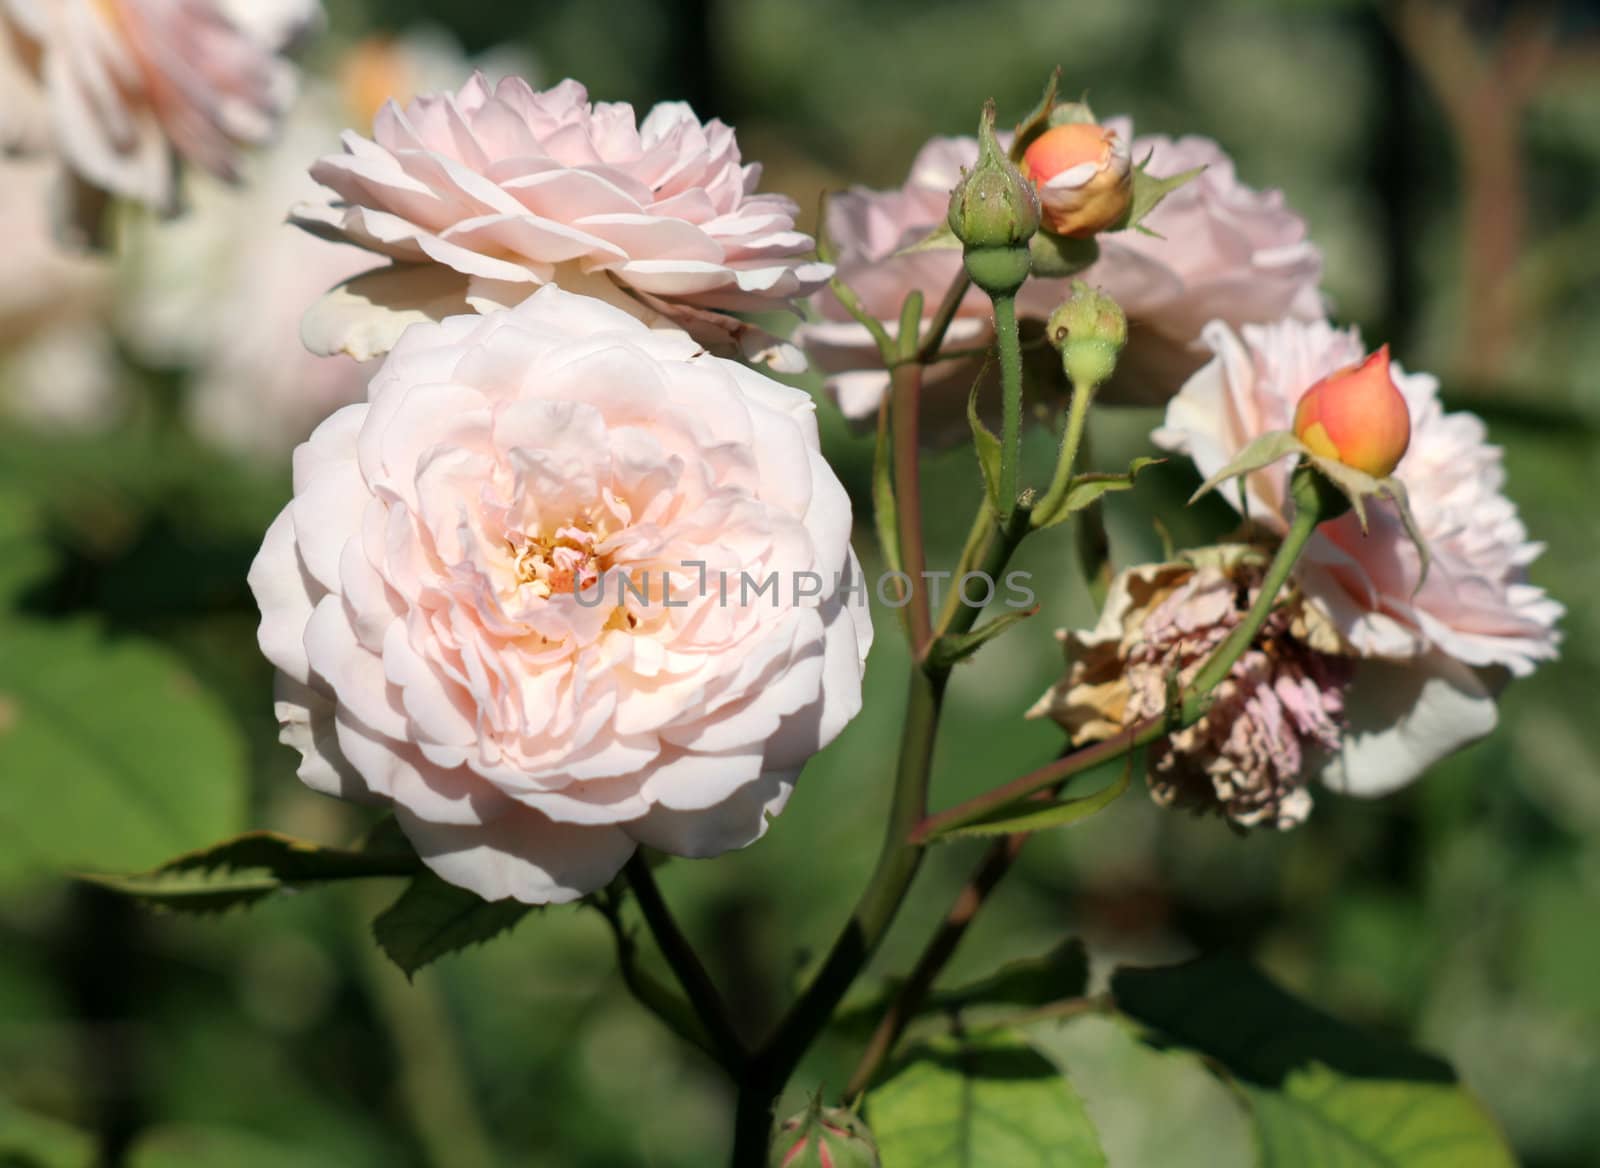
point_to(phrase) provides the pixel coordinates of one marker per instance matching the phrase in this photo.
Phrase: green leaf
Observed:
(1152, 1108)
(26, 556)
(1086, 488)
(1224, 1007)
(433, 918)
(250, 867)
(1148, 191)
(984, 1103)
(1322, 1119)
(988, 448)
(941, 238)
(1063, 972)
(1322, 1092)
(113, 756)
(1261, 451)
(885, 514)
(1062, 813)
(951, 649)
(28, 1140)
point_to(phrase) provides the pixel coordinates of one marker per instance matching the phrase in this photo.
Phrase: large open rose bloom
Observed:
(1433, 650)
(125, 84)
(443, 600)
(483, 195)
(1224, 252)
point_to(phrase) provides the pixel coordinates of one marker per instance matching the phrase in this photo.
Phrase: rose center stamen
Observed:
(564, 560)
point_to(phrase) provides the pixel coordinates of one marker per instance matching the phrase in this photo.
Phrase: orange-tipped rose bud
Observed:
(1084, 175)
(1356, 416)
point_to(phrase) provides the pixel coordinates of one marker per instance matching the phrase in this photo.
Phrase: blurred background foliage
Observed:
(1446, 158)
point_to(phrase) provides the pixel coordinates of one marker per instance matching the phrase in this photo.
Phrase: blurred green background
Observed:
(1446, 159)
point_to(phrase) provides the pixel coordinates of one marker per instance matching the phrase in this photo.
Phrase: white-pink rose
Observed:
(1432, 647)
(452, 597)
(483, 195)
(125, 84)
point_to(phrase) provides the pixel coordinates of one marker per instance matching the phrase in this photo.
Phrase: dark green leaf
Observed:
(988, 448)
(113, 756)
(433, 918)
(243, 870)
(1029, 981)
(1229, 1010)
(1322, 1093)
(984, 1103)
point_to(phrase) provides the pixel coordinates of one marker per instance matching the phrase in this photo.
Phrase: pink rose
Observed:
(127, 83)
(453, 597)
(483, 195)
(1227, 252)
(1433, 640)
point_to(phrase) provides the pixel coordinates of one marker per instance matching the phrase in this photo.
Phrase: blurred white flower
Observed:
(127, 85)
(222, 290)
(56, 360)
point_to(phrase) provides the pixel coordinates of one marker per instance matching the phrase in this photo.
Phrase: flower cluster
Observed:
(1219, 250)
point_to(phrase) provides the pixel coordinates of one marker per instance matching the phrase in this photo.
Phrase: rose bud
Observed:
(994, 212)
(1084, 173)
(1357, 416)
(1090, 329)
(824, 1137)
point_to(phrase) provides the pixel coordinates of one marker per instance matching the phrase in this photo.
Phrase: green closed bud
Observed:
(824, 1137)
(1089, 329)
(994, 212)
